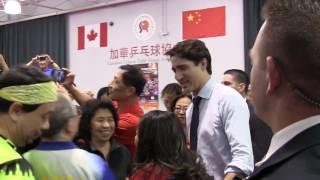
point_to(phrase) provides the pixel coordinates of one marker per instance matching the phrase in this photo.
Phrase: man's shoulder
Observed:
(7, 152)
(16, 169)
(128, 117)
(224, 95)
(298, 159)
(134, 110)
(225, 90)
(134, 114)
(221, 92)
(302, 165)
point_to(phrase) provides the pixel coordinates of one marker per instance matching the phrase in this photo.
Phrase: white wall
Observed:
(91, 65)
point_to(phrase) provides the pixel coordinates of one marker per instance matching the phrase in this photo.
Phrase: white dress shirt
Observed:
(224, 141)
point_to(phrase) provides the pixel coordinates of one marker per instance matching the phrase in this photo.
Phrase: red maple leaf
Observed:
(92, 35)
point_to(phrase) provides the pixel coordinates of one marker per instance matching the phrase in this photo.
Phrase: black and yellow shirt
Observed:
(12, 164)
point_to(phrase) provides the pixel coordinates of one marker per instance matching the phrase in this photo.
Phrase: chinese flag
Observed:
(93, 35)
(204, 23)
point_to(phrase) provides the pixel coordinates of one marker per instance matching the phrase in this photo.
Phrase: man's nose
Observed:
(178, 76)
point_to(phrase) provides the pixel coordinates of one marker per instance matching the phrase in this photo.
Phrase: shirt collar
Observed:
(56, 145)
(134, 108)
(206, 91)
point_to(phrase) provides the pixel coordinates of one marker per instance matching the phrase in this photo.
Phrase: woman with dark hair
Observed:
(162, 152)
(97, 125)
(179, 106)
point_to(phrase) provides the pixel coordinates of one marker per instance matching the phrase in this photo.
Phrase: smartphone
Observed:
(58, 75)
(41, 57)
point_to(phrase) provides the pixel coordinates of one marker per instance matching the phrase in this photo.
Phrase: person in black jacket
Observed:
(98, 122)
(285, 89)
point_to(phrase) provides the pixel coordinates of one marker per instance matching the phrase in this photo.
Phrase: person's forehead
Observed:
(44, 108)
(179, 61)
(102, 112)
(184, 100)
(228, 77)
(119, 74)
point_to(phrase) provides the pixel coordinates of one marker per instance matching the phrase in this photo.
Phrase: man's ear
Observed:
(131, 90)
(241, 87)
(72, 126)
(273, 75)
(15, 111)
(204, 64)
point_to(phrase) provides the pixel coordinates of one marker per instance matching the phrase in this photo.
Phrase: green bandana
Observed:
(31, 94)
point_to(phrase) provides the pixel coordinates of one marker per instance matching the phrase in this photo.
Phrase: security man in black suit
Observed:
(285, 89)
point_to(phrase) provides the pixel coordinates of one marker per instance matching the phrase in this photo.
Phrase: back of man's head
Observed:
(133, 76)
(292, 38)
(169, 93)
(171, 88)
(63, 112)
(192, 49)
(240, 77)
(103, 91)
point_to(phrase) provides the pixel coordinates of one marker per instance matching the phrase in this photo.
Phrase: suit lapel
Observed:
(302, 141)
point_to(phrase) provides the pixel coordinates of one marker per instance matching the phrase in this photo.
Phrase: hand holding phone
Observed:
(58, 75)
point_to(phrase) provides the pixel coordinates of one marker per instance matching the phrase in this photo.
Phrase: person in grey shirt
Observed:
(218, 126)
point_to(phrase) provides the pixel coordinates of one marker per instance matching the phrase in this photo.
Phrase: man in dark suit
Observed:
(260, 132)
(285, 88)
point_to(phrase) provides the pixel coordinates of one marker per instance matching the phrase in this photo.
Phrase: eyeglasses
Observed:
(179, 108)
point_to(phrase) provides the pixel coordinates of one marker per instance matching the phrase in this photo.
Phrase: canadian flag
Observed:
(94, 35)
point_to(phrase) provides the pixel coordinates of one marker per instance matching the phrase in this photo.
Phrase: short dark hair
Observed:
(174, 102)
(133, 77)
(161, 140)
(88, 111)
(63, 111)
(293, 39)
(171, 88)
(193, 50)
(240, 76)
(22, 75)
(102, 91)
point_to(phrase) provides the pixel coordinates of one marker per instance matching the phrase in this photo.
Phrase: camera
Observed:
(41, 57)
(58, 75)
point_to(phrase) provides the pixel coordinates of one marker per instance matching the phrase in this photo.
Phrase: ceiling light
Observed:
(12, 7)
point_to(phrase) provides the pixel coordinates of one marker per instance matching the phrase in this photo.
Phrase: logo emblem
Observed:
(144, 27)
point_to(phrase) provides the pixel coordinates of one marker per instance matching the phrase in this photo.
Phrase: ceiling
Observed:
(32, 9)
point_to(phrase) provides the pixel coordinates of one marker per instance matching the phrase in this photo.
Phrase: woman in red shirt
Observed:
(162, 153)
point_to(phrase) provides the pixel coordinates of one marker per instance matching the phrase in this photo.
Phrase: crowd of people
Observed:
(263, 127)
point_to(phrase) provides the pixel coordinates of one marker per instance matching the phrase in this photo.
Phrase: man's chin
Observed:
(32, 140)
(186, 89)
(29, 141)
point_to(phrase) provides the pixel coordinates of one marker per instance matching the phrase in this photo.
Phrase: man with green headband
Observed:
(26, 99)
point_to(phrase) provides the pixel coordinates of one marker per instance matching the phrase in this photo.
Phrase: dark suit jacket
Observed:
(261, 135)
(299, 159)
